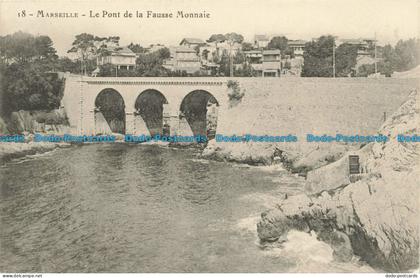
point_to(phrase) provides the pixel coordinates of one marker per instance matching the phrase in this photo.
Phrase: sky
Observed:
(391, 20)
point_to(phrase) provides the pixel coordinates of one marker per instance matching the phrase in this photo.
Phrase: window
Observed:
(354, 165)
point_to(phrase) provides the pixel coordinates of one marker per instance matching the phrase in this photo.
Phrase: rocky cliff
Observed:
(374, 214)
(54, 121)
(27, 123)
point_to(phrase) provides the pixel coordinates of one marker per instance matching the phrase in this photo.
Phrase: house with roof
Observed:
(120, 57)
(297, 46)
(364, 60)
(192, 42)
(261, 41)
(271, 63)
(264, 63)
(364, 45)
(211, 50)
(253, 56)
(183, 59)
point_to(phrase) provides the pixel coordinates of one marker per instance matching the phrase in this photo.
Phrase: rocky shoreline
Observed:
(373, 215)
(11, 150)
(265, 154)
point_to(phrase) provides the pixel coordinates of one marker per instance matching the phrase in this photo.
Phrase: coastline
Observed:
(11, 150)
(355, 216)
(371, 215)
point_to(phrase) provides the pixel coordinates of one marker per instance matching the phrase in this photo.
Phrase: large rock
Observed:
(374, 216)
(54, 121)
(3, 127)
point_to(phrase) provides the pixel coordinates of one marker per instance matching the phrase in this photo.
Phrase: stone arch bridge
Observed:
(144, 105)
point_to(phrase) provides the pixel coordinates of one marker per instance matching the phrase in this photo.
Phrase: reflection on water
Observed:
(131, 208)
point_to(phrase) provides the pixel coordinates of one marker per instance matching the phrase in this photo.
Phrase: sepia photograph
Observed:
(209, 136)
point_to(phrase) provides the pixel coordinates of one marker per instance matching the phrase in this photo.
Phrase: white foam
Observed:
(303, 247)
(248, 224)
(312, 255)
(272, 168)
(267, 200)
(200, 160)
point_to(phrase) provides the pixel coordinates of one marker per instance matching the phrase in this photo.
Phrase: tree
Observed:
(151, 64)
(235, 93)
(246, 46)
(164, 53)
(29, 88)
(217, 38)
(44, 48)
(232, 39)
(224, 63)
(244, 71)
(27, 81)
(17, 47)
(318, 57)
(279, 42)
(404, 56)
(205, 54)
(346, 59)
(83, 45)
(136, 48)
(106, 70)
(22, 47)
(88, 47)
(407, 54)
(67, 65)
(384, 68)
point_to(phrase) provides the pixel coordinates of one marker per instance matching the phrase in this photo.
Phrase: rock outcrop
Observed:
(53, 121)
(27, 123)
(374, 214)
(9, 150)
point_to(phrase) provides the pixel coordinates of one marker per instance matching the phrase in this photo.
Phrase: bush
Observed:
(235, 93)
(50, 118)
(41, 117)
(27, 87)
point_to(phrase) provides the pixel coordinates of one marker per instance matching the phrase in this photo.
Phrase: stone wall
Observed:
(282, 106)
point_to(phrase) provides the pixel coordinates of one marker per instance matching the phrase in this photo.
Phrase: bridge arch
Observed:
(149, 113)
(109, 112)
(199, 109)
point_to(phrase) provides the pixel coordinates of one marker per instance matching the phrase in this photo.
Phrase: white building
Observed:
(183, 59)
(264, 63)
(261, 41)
(121, 57)
(298, 46)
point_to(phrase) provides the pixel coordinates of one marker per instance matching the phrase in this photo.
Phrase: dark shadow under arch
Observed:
(150, 105)
(111, 104)
(199, 108)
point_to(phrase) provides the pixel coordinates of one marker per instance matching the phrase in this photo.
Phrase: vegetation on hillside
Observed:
(318, 57)
(26, 65)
